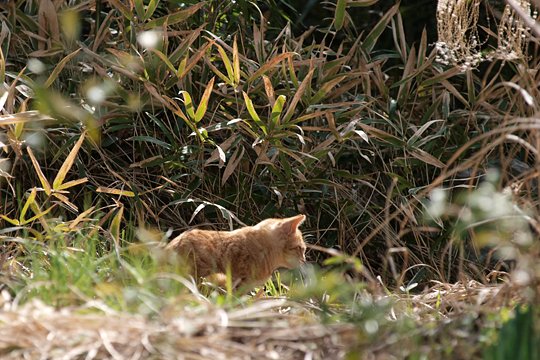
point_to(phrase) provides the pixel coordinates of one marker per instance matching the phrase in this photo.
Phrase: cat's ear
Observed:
(290, 225)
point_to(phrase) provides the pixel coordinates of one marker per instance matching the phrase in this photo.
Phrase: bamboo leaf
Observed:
(116, 222)
(152, 5)
(81, 217)
(150, 139)
(416, 136)
(112, 191)
(122, 8)
(165, 59)
(44, 183)
(253, 113)
(30, 200)
(269, 65)
(11, 221)
(188, 103)
(339, 16)
(371, 39)
(194, 60)
(222, 156)
(298, 95)
(269, 89)
(233, 164)
(203, 105)
(68, 163)
(224, 146)
(72, 183)
(181, 68)
(58, 68)
(197, 210)
(427, 158)
(326, 88)
(174, 18)
(277, 109)
(139, 8)
(227, 63)
(236, 63)
(440, 77)
(65, 201)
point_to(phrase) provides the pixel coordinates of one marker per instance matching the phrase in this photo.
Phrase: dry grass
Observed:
(268, 328)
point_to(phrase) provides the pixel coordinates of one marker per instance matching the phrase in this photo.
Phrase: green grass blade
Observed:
(203, 105)
(277, 109)
(68, 163)
(371, 39)
(174, 18)
(152, 5)
(253, 113)
(188, 102)
(339, 16)
(58, 68)
(30, 200)
(227, 63)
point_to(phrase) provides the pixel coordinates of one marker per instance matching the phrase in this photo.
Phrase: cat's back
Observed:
(193, 237)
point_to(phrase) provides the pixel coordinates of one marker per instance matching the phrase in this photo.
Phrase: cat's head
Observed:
(285, 233)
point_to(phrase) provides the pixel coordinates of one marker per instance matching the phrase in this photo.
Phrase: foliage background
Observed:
(130, 121)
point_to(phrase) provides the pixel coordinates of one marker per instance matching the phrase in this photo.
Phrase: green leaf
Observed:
(11, 221)
(253, 113)
(182, 67)
(68, 163)
(174, 18)
(203, 105)
(166, 60)
(227, 63)
(139, 8)
(115, 226)
(325, 89)
(339, 16)
(371, 39)
(145, 138)
(30, 200)
(59, 67)
(37, 216)
(152, 5)
(277, 109)
(189, 105)
(236, 63)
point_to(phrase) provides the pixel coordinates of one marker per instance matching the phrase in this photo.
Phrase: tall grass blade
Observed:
(203, 105)
(253, 113)
(188, 103)
(44, 182)
(58, 68)
(339, 16)
(174, 18)
(371, 39)
(236, 63)
(277, 109)
(68, 163)
(228, 66)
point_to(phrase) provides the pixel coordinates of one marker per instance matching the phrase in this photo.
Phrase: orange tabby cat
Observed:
(252, 253)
